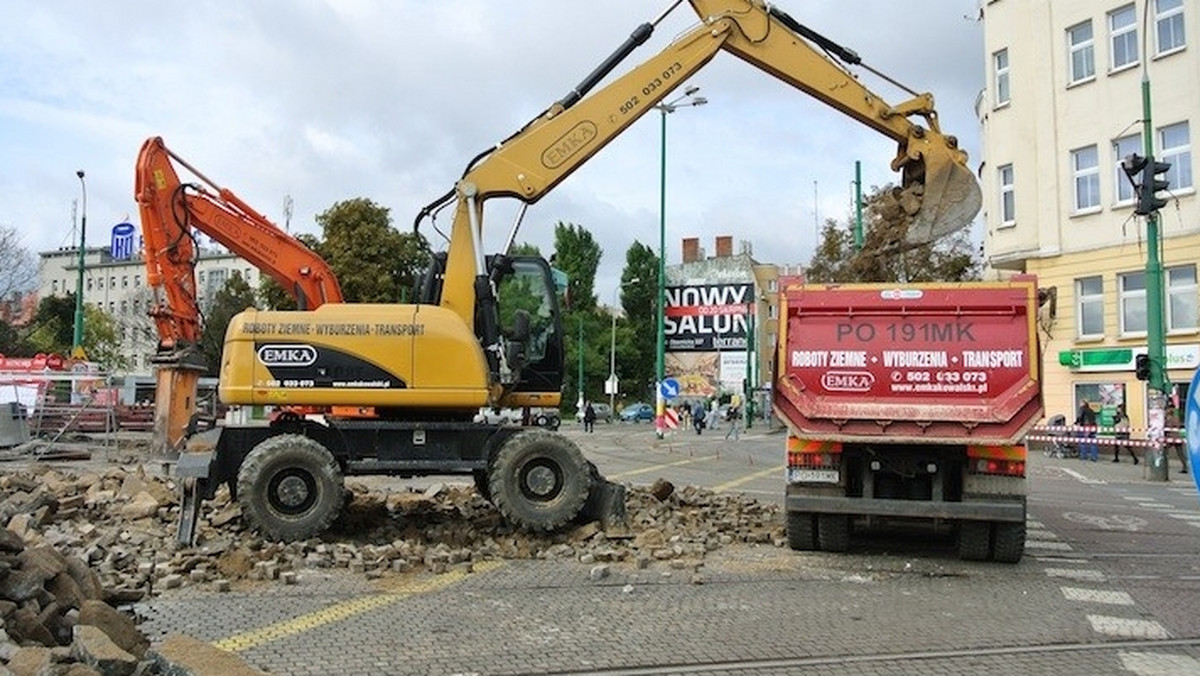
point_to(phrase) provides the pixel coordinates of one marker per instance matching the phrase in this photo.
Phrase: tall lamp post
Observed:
(612, 349)
(687, 99)
(77, 341)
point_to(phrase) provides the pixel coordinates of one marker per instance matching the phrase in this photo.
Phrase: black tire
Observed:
(974, 541)
(1009, 543)
(802, 531)
(481, 484)
(290, 488)
(833, 532)
(539, 480)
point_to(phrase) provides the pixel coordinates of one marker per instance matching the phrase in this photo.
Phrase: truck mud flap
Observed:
(606, 504)
(970, 511)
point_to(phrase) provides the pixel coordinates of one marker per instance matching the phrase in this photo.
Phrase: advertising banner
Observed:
(708, 317)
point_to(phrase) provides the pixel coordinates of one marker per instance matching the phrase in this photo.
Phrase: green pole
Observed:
(858, 224)
(581, 399)
(660, 339)
(77, 340)
(1156, 462)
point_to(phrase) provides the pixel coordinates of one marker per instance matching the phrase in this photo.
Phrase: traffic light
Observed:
(1141, 366)
(1148, 200)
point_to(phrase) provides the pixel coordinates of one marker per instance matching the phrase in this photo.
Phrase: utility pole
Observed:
(77, 340)
(858, 224)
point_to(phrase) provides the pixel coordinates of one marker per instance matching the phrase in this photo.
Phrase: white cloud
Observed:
(389, 99)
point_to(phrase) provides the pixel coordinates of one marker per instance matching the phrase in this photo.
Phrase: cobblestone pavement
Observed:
(1108, 586)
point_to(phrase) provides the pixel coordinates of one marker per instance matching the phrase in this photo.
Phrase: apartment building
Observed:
(1062, 107)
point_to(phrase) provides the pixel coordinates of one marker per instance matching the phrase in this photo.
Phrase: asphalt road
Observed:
(1109, 585)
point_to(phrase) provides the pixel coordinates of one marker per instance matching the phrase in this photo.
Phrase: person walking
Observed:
(698, 417)
(589, 417)
(734, 417)
(1121, 425)
(1086, 419)
(1173, 435)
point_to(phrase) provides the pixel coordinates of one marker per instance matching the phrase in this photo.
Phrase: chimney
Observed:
(724, 246)
(691, 249)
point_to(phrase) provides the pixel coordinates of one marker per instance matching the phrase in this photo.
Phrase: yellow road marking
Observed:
(346, 609)
(778, 470)
(655, 468)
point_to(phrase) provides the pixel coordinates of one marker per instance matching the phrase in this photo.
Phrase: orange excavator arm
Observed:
(172, 212)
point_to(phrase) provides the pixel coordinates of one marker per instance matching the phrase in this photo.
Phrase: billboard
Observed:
(707, 317)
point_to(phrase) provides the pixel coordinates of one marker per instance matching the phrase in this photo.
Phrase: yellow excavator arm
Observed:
(937, 190)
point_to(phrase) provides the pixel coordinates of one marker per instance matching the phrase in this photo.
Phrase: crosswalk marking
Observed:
(1115, 598)
(1042, 544)
(1073, 574)
(1127, 628)
(1158, 664)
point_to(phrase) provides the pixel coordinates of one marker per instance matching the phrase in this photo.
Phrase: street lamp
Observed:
(612, 350)
(687, 99)
(77, 342)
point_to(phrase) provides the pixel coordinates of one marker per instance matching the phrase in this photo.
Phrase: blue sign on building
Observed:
(122, 241)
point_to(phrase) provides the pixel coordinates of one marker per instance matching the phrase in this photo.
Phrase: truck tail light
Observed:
(997, 460)
(809, 453)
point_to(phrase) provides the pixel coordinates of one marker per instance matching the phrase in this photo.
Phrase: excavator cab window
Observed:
(527, 304)
(429, 287)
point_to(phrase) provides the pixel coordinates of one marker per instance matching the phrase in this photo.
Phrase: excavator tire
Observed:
(539, 480)
(481, 484)
(290, 488)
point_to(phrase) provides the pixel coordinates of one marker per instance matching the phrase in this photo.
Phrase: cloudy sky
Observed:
(327, 100)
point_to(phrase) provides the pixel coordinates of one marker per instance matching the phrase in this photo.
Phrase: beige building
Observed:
(1061, 108)
(118, 287)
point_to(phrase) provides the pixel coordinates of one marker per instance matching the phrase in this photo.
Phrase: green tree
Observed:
(53, 327)
(885, 255)
(235, 296)
(372, 261)
(637, 334)
(102, 339)
(578, 254)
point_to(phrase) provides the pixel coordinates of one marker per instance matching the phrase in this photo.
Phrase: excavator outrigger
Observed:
(485, 330)
(172, 212)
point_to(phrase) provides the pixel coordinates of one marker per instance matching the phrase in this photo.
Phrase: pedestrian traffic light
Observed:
(1141, 366)
(1148, 199)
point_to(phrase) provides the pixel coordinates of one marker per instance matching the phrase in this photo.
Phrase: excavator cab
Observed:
(530, 325)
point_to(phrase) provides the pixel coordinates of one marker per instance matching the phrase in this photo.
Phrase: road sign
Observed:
(610, 385)
(671, 418)
(669, 388)
(1191, 427)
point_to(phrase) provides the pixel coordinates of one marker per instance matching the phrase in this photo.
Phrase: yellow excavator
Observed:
(485, 330)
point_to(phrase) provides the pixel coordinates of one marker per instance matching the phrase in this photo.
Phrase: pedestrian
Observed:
(1173, 435)
(734, 418)
(713, 419)
(1085, 419)
(698, 417)
(589, 417)
(1121, 425)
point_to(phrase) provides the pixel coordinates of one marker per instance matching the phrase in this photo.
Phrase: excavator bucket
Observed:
(940, 193)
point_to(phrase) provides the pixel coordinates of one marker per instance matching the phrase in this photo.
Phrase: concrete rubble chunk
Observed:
(181, 655)
(94, 648)
(30, 661)
(116, 625)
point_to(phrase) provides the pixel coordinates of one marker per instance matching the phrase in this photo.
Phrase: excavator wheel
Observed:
(290, 488)
(539, 480)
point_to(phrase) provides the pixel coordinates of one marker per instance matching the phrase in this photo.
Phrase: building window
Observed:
(89, 284)
(1122, 148)
(137, 280)
(1081, 52)
(1168, 23)
(1122, 30)
(772, 285)
(124, 308)
(1177, 149)
(1133, 302)
(1182, 311)
(1089, 307)
(112, 282)
(100, 282)
(1000, 65)
(1008, 204)
(772, 312)
(54, 286)
(1085, 165)
(124, 281)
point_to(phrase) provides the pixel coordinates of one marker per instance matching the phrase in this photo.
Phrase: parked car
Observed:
(603, 412)
(637, 412)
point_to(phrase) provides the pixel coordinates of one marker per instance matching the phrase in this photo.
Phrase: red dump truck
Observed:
(908, 402)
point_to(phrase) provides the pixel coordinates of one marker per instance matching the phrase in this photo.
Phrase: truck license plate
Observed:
(822, 476)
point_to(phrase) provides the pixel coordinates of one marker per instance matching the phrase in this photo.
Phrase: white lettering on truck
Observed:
(990, 359)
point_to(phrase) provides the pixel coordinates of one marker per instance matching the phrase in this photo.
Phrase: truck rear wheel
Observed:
(539, 480)
(290, 488)
(802, 531)
(1009, 543)
(974, 540)
(833, 532)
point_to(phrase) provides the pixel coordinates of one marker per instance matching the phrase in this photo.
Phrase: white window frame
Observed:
(1086, 179)
(1002, 81)
(1084, 300)
(1123, 146)
(1131, 300)
(1171, 17)
(1084, 48)
(1008, 196)
(1182, 296)
(1120, 40)
(1179, 156)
